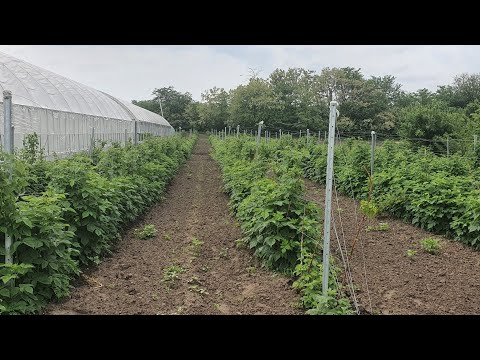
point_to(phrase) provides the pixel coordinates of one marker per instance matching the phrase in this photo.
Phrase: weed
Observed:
(380, 227)
(383, 227)
(198, 289)
(369, 208)
(431, 245)
(241, 243)
(411, 253)
(196, 246)
(147, 232)
(171, 274)
(167, 236)
(224, 253)
(251, 270)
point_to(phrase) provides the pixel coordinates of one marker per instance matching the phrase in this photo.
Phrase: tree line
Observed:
(296, 99)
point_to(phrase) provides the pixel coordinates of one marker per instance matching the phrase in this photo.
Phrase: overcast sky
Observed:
(133, 72)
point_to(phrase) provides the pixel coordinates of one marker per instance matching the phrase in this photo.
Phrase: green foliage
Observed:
(176, 106)
(18, 298)
(309, 283)
(383, 227)
(368, 208)
(196, 246)
(431, 121)
(171, 274)
(74, 212)
(277, 222)
(380, 227)
(32, 151)
(42, 244)
(274, 217)
(148, 231)
(411, 253)
(431, 245)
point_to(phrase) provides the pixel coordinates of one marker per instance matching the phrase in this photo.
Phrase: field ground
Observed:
(218, 277)
(447, 283)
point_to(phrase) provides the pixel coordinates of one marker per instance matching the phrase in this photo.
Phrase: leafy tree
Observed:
(464, 90)
(176, 106)
(213, 111)
(430, 122)
(252, 103)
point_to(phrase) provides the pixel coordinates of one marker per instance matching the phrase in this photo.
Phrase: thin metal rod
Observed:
(8, 148)
(372, 159)
(328, 197)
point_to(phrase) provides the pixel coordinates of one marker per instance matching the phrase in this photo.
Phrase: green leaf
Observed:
(33, 243)
(5, 292)
(8, 277)
(26, 288)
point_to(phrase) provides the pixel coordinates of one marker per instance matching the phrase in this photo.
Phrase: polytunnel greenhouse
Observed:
(66, 115)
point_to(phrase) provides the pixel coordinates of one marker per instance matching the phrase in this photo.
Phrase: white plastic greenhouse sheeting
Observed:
(63, 112)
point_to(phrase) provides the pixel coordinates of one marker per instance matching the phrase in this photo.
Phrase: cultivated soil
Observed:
(448, 283)
(217, 278)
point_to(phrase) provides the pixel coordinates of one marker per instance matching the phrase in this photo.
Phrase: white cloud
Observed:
(133, 72)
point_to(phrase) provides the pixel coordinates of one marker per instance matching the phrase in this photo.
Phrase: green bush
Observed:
(74, 213)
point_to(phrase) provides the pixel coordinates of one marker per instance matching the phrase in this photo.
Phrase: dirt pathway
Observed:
(448, 283)
(191, 267)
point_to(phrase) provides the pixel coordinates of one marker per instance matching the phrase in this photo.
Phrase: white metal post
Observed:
(328, 197)
(238, 130)
(92, 142)
(160, 102)
(259, 132)
(280, 133)
(372, 159)
(135, 133)
(8, 148)
(308, 135)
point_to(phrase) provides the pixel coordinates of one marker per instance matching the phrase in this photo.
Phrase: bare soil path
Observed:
(448, 283)
(196, 242)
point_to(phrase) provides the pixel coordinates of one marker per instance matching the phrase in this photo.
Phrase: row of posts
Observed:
(267, 134)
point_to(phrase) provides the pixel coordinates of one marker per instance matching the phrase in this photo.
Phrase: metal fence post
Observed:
(280, 133)
(259, 132)
(135, 133)
(372, 159)
(308, 135)
(92, 142)
(328, 197)
(238, 130)
(8, 148)
(319, 136)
